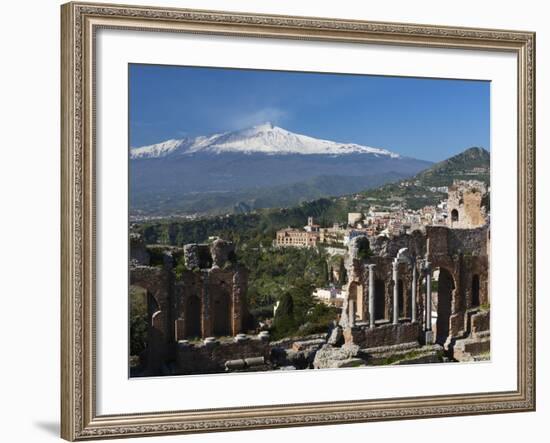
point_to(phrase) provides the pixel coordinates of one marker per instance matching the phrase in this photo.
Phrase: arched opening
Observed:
(152, 308)
(454, 215)
(356, 294)
(401, 297)
(379, 299)
(445, 286)
(221, 314)
(193, 317)
(363, 247)
(475, 290)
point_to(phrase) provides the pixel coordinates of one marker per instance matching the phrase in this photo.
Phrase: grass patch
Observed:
(397, 357)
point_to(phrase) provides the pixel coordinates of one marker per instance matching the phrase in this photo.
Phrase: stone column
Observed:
(395, 292)
(351, 313)
(371, 296)
(429, 333)
(413, 292)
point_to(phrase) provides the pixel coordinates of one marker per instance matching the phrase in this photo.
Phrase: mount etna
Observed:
(259, 167)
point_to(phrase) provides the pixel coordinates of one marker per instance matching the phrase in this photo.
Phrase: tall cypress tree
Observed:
(324, 273)
(284, 315)
(343, 274)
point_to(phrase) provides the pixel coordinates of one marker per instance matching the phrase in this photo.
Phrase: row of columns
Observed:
(395, 277)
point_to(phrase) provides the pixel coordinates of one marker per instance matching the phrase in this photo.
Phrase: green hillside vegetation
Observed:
(258, 227)
(251, 230)
(138, 320)
(275, 271)
(216, 203)
(417, 192)
(470, 164)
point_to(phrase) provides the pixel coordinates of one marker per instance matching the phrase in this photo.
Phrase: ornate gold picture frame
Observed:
(80, 23)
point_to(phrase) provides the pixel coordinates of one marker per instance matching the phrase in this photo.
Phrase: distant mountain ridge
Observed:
(265, 138)
(473, 161)
(428, 186)
(413, 192)
(259, 167)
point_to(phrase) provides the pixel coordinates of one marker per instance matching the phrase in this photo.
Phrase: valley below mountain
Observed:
(428, 187)
(260, 167)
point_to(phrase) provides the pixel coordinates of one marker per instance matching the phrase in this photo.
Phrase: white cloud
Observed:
(274, 115)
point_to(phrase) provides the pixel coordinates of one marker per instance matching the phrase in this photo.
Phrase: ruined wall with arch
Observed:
(206, 299)
(158, 284)
(460, 256)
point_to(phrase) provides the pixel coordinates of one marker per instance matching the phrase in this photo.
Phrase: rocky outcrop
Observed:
(332, 357)
(300, 355)
(336, 337)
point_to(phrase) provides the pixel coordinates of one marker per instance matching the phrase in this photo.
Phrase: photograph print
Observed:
(284, 221)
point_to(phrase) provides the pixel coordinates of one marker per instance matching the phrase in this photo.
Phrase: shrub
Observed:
(284, 322)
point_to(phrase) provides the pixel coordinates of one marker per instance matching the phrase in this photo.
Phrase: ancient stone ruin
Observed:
(422, 297)
(391, 298)
(206, 299)
(466, 204)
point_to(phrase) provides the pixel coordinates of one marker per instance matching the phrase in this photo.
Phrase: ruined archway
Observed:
(356, 294)
(454, 215)
(475, 291)
(445, 287)
(379, 299)
(401, 298)
(221, 318)
(153, 308)
(193, 317)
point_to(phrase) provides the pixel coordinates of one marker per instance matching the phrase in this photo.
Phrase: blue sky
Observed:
(430, 119)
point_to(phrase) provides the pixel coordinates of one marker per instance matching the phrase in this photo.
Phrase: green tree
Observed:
(363, 248)
(319, 319)
(324, 273)
(302, 295)
(284, 323)
(343, 274)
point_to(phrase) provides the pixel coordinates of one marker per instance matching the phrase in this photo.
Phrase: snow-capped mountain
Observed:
(261, 139)
(262, 166)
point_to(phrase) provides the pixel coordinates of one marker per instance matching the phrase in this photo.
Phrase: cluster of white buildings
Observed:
(377, 221)
(464, 208)
(331, 296)
(381, 221)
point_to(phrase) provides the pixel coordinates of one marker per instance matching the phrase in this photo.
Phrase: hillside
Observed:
(427, 187)
(243, 201)
(472, 163)
(258, 227)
